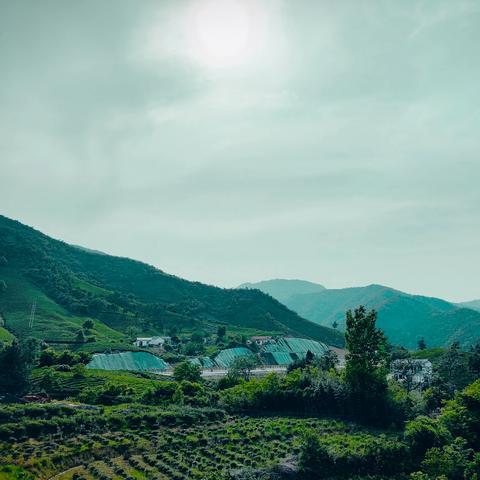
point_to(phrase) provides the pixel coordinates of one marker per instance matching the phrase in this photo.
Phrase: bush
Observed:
(451, 460)
(424, 433)
(187, 371)
(352, 454)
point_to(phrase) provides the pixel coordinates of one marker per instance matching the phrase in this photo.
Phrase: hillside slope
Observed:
(474, 305)
(70, 284)
(283, 290)
(405, 318)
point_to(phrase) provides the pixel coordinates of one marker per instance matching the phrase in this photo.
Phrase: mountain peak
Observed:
(283, 289)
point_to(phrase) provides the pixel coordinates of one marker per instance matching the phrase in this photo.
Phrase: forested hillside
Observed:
(69, 284)
(474, 305)
(405, 318)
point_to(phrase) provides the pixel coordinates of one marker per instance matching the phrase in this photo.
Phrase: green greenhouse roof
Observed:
(207, 362)
(226, 357)
(127, 361)
(277, 358)
(302, 345)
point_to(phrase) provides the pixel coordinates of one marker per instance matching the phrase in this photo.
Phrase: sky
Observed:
(229, 141)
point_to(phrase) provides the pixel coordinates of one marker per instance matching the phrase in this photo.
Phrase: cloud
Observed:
(345, 152)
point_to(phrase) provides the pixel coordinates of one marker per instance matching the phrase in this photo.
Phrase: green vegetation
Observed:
(72, 286)
(313, 422)
(404, 318)
(60, 418)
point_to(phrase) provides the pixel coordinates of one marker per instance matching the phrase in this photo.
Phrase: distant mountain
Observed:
(63, 285)
(283, 290)
(405, 318)
(474, 305)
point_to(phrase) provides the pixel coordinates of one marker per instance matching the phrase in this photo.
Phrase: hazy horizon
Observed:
(239, 141)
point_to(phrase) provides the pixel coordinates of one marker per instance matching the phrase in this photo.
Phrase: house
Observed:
(260, 340)
(158, 342)
(412, 372)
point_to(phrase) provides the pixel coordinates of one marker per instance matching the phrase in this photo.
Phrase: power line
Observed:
(32, 313)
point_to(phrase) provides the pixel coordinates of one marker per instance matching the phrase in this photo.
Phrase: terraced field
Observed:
(214, 450)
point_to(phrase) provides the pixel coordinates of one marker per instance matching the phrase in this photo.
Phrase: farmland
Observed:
(145, 443)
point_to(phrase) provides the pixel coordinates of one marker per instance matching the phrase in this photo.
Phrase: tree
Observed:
(80, 338)
(187, 371)
(328, 360)
(453, 368)
(132, 332)
(242, 367)
(47, 357)
(451, 460)
(16, 363)
(424, 433)
(88, 324)
(335, 324)
(314, 457)
(197, 337)
(365, 363)
(309, 357)
(49, 382)
(421, 344)
(474, 360)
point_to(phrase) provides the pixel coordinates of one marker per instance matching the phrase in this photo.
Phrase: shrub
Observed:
(424, 433)
(187, 371)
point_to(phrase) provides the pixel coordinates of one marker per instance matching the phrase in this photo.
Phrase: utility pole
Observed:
(32, 313)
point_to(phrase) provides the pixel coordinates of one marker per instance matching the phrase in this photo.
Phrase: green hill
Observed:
(474, 305)
(404, 317)
(283, 290)
(70, 284)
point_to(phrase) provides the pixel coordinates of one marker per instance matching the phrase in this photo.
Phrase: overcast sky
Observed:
(225, 141)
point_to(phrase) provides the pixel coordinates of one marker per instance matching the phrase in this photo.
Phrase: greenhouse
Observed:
(287, 350)
(276, 358)
(136, 361)
(301, 346)
(226, 357)
(204, 362)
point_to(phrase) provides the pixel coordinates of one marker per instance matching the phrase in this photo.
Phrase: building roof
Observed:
(277, 358)
(136, 361)
(226, 357)
(301, 346)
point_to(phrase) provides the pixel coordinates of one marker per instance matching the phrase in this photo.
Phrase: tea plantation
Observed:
(67, 441)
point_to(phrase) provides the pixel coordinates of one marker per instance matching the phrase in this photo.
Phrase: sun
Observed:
(221, 32)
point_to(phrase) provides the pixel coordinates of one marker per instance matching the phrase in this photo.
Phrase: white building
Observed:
(413, 372)
(260, 340)
(158, 342)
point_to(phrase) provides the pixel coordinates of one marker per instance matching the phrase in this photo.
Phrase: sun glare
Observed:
(222, 32)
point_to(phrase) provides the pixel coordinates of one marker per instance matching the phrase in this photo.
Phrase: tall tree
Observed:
(421, 344)
(16, 363)
(365, 372)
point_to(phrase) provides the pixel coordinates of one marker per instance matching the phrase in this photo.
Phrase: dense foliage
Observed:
(121, 292)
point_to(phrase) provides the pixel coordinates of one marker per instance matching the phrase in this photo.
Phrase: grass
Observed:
(51, 321)
(5, 336)
(429, 353)
(66, 385)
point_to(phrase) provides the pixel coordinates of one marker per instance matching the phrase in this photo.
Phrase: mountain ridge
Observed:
(404, 317)
(72, 284)
(282, 289)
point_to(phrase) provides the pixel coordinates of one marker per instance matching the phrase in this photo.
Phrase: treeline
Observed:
(360, 392)
(443, 447)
